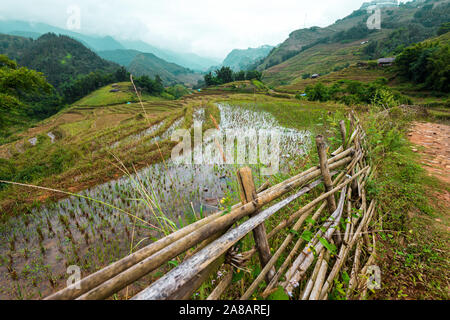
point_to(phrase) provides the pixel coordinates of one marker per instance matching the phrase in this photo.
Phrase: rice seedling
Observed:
(115, 218)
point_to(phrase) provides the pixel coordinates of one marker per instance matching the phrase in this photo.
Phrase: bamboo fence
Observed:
(311, 267)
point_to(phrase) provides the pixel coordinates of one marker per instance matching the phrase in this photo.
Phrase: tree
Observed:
(224, 75)
(15, 82)
(254, 74)
(426, 64)
(239, 76)
(444, 28)
(122, 74)
(159, 87)
(149, 85)
(209, 81)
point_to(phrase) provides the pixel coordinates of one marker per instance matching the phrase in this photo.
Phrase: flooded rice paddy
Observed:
(127, 213)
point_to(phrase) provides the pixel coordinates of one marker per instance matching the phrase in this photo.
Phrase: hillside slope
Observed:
(321, 50)
(34, 30)
(184, 59)
(122, 57)
(241, 59)
(60, 58)
(171, 73)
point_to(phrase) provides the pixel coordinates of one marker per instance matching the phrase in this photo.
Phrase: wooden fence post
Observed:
(248, 194)
(343, 133)
(323, 161)
(321, 150)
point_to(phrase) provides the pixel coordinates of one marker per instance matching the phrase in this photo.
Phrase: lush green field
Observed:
(104, 96)
(320, 59)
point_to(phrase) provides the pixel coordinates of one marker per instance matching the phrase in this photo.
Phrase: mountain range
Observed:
(59, 57)
(243, 59)
(141, 63)
(106, 43)
(349, 40)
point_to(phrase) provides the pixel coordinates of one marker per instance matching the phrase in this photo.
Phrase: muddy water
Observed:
(36, 250)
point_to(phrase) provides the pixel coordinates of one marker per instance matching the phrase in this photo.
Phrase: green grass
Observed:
(75, 128)
(291, 113)
(355, 73)
(321, 59)
(103, 96)
(413, 251)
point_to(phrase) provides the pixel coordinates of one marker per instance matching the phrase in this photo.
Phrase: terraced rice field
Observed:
(105, 222)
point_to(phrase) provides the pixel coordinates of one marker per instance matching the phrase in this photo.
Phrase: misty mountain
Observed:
(242, 59)
(187, 60)
(349, 40)
(140, 63)
(414, 21)
(60, 58)
(34, 30)
(171, 73)
(107, 43)
(122, 57)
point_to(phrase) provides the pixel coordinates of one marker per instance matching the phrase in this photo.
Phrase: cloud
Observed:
(205, 27)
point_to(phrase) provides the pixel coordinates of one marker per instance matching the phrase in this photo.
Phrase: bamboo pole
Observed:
(169, 283)
(107, 273)
(344, 251)
(343, 133)
(275, 257)
(314, 202)
(337, 151)
(289, 221)
(264, 186)
(248, 194)
(310, 283)
(116, 268)
(353, 136)
(320, 278)
(291, 255)
(321, 150)
(331, 162)
(303, 262)
(355, 270)
(188, 289)
(222, 286)
(150, 263)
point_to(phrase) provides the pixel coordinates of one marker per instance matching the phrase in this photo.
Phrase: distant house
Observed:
(384, 62)
(315, 76)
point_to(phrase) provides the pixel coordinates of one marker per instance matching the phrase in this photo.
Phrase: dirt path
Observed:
(433, 143)
(435, 138)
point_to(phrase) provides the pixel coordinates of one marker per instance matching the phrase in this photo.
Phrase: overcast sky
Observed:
(206, 27)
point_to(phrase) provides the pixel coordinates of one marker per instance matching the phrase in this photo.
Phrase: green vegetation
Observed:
(104, 96)
(427, 64)
(226, 75)
(73, 70)
(348, 40)
(16, 81)
(444, 28)
(150, 86)
(60, 58)
(85, 84)
(413, 250)
(246, 58)
(357, 93)
(147, 64)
